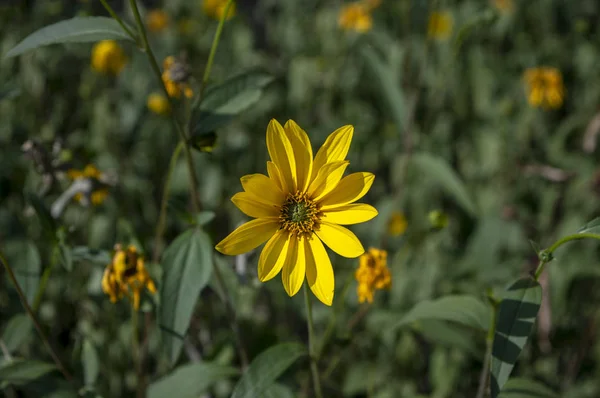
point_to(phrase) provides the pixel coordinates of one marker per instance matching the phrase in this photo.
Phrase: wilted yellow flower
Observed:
(99, 192)
(216, 8)
(357, 16)
(175, 77)
(438, 219)
(157, 20)
(302, 202)
(397, 224)
(440, 25)
(108, 57)
(372, 274)
(158, 104)
(505, 6)
(127, 275)
(545, 87)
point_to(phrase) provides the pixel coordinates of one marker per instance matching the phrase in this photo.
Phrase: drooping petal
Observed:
(250, 206)
(263, 189)
(273, 256)
(319, 272)
(248, 236)
(275, 175)
(350, 189)
(302, 153)
(282, 154)
(341, 240)
(294, 267)
(350, 214)
(335, 148)
(327, 179)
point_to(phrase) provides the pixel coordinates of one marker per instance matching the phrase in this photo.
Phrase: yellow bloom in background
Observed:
(158, 104)
(440, 25)
(302, 203)
(397, 224)
(372, 274)
(127, 276)
(438, 219)
(108, 57)
(357, 16)
(545, 87)
(216, 8)
(175, 77)
(157, 20)
(505, 6)
(99, 192)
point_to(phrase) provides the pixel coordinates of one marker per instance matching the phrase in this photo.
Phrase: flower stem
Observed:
(136, 352)
(546, 255)
(114, 15)
(487, 358)
(36, 324)
(213, 47)
(311, 345)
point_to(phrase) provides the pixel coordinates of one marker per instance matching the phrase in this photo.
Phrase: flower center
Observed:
(299, 215)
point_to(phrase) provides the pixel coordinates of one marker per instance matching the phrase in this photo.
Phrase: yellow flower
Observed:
(157, 20)
(158, 104)
(398, 224)
(302, 202)
(108, 57)
(216, 8)
(357, 16)
(372, 274)
(99, 192)
(438, 219)
(440, 25)
(505, 6)
(545, 87)
(175, 77)
(126, 275)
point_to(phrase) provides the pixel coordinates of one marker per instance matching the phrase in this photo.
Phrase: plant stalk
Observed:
(114, 15)
(487, 358)
(311, 345)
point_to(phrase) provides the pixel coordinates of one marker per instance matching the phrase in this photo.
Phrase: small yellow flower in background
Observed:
(545, 87)
(158, 104)
(175, 77)
(99, 192)
(126, 275)
(108, 57)
(438, 219)
(357, 16)
(397, 224)
(157, 20)
(504, 6)
(440, 25)
(216, 8)
(372, 274)
(302, 203)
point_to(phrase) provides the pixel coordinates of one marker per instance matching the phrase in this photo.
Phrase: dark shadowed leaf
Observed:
(25, 260)
(48, 223)
(17, 330)
(18, 372)
(524, 388)
(190, 381)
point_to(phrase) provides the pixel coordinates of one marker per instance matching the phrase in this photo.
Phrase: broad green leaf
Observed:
(266, 368)
(592, 227)
(465, 310)
(516, 316)
(449, 334)
(82, 253)
(437, 170)
(187, 266)
(17, 330)
(190, 381)
(278, 391)
(18, 372)
(25, 260)
(90, 363)
(76, 30)
(525, 388)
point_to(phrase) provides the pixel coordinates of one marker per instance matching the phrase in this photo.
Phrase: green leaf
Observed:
(25, 259)
(465, 310)
(63, 251)
(593, 227)
(48, 222)
(190, 381)
(448, 334)
(204, 217)
(266, 368)
(82, 253)
(516, 316)
(76, 30)
(278, 391)
(17, 330)
(90, 363)
(187, 265)
(19, 372)
(438, 171)
(525, 388)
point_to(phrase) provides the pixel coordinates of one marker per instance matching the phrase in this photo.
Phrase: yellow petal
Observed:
(263, 189)
(273, 256)
(282, 154)
(341, 240)
(248, 236)
(302, 153)
(327, 179)
(319, 272)
(350, 214)
(335, 148)
(253, 208)
(275, 175)
(294, 267)
(350, 189)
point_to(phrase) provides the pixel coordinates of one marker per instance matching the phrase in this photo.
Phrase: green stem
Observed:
(136, 353)
(487, 358)
(114, 15)
(546, 255)
(36, 324)
(43, 282)
(311, 345)
(213, 48)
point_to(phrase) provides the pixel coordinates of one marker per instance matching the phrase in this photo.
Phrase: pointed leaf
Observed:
(516, 316)
(25, 259)
(266, 368)
(190, 381)
(90, 362)
(592, 227)
(525, 388)
(82, 253)
(18, 372)
(17, 330)
(75, 30)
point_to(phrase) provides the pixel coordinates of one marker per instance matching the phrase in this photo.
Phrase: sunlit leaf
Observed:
(190, 381)
(592, 227)
(18, 372)
(525, 388)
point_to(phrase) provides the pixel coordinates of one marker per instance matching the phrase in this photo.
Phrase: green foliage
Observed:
(190, 381)
(20, 371)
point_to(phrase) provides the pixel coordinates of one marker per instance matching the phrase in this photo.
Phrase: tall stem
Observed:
(487, 358)
(311, 345)
(213, 47)
(114, 15)
(136, 352)
(546, 255)
(36, 324)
